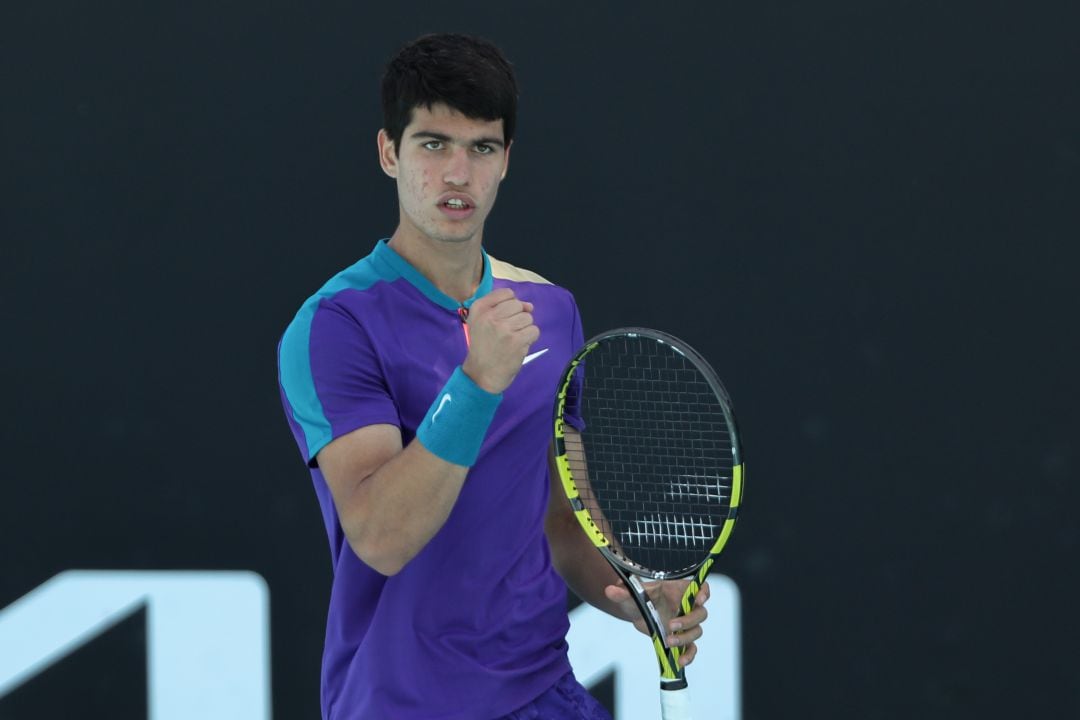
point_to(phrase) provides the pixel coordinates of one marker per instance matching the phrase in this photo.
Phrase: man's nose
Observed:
(457, 169)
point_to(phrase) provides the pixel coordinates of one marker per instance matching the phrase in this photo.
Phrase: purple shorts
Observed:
(565, 700)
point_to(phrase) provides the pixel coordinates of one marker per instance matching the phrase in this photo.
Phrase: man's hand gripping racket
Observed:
(657, 478)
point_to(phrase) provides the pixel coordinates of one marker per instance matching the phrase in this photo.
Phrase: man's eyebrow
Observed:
(432, 135)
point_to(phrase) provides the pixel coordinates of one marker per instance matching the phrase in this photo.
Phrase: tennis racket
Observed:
(656, 476)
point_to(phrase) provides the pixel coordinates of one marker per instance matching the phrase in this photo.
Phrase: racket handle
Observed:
(675, 704)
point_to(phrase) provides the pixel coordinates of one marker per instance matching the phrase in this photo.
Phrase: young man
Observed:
(418, 384)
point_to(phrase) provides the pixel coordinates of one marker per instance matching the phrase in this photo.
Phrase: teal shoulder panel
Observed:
(294, 358)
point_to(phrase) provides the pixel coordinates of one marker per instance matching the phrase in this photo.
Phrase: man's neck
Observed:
(455, 268)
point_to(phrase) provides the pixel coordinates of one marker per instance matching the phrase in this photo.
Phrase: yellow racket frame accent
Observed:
(562, 460)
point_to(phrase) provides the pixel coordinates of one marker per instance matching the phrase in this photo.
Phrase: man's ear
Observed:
(506, 161)
(388, 160)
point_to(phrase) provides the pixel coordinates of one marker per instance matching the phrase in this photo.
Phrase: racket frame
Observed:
(672, 674)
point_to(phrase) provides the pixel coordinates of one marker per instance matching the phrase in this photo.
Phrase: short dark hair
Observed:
(469, 74)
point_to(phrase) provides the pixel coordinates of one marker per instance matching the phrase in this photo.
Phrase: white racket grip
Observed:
(675, 704)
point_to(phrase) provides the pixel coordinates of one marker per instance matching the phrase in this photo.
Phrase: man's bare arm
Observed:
(390, 501)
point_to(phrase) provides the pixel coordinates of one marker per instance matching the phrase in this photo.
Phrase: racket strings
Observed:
(658, 453)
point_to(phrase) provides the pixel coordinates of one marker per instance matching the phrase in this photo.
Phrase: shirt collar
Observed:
(401, 266)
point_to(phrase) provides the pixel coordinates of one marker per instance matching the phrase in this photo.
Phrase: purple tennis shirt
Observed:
(474, 626)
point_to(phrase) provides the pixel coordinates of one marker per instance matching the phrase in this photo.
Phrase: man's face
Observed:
(448, 170)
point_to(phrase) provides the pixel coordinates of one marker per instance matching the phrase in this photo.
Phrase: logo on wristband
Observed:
(443, 402)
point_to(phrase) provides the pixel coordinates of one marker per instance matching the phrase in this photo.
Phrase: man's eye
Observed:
(433, 145)
(484, 149)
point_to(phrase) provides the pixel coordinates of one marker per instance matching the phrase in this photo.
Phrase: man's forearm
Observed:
(392, 501)
(390, 515)
(579, 563)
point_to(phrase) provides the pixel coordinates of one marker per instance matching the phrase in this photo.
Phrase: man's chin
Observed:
(453, 239)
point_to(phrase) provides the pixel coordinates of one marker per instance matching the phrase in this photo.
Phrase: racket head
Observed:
(658, 482)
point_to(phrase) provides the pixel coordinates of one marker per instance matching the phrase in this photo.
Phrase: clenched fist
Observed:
(501, 331)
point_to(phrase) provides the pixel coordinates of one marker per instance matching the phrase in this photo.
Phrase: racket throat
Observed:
(647, 605)
(671, 674)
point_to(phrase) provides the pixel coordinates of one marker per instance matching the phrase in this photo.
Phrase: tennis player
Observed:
(418, 383)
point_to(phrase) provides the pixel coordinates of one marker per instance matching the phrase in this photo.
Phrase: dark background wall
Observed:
(865, 213)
